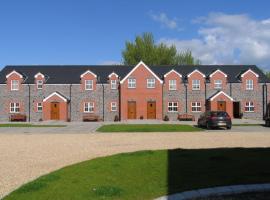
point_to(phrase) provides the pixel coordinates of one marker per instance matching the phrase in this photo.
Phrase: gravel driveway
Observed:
(26, 156)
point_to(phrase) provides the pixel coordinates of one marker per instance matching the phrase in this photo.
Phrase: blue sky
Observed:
(94, 32)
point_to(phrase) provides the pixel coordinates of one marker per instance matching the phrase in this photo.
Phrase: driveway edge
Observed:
(217, 191)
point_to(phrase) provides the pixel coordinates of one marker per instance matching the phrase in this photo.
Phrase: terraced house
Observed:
(131, 92)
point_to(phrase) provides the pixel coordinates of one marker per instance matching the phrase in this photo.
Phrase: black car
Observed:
(215, 119)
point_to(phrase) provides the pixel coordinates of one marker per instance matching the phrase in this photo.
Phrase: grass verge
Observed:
(247, 124)
(150, 174)
(148, 128)
(30, 125)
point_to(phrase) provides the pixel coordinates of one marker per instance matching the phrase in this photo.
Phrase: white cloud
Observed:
(110, 62)
(229, 39)
(165, 21)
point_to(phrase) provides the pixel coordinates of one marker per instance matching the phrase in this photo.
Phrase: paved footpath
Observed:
(26, 156)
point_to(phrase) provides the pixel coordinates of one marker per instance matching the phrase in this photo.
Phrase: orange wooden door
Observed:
(131, 110)
(55, 115)
(151, 110)
(221, 106)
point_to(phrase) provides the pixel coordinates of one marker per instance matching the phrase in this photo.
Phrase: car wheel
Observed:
(229, 127)
(208, 126)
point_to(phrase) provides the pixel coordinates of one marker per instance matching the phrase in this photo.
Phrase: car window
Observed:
(219, 114)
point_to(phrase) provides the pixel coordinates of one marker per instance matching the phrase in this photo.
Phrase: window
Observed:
(218, 84)
(195, 84)
(131, 83)
(249, 84)
(39, 84)
(249, 107)
(88, 107)
(39, 107)
(196, 107)
(88, 84)
(173, 106)
(113, 106)
(113, 84)
(14, 85)
(151, 83)
(14, 107)
(172, 84)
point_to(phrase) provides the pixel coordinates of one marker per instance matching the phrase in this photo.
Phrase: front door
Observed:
(151, 110)
(131, 110)
(221, 105)
(55, 111)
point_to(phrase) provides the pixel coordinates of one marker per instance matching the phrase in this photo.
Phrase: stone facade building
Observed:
(70, 93)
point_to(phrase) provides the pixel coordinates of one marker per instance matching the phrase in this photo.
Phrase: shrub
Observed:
(166, 118)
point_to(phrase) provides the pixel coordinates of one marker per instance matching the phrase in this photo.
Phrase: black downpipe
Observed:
(263, 99)
(205, 95)
(119, 104)
(103, 113)
(162, 101)
(29, 103)
(186, 97)
(266, 100)
(70, 102)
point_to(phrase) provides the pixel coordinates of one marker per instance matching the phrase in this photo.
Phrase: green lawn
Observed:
(247, 125)
(150, 174)
(148, 128)
(30, 125)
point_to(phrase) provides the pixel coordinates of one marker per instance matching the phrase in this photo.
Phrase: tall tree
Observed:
(144, 48)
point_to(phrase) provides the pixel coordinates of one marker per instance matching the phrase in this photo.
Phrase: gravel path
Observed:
(24, 157)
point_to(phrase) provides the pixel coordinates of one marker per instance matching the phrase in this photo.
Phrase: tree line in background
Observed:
(144, 48)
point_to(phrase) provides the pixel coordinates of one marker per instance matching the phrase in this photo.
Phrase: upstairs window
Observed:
(39, 84)
(131, 83)
(113, 106)
(172, 84)
(88, 107)
(39, 107)
(151, 83)
(14, 85)
(14, 107)
(218, 84)
(173, 106)
(88, 84)
(196, 107)
(196, 84)
(249, 84)
(249, 107)
(113, 84)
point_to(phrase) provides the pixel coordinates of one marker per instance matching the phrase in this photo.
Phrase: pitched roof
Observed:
(67, 74)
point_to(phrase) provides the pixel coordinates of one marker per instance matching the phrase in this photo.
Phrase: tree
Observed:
(145, 49)
(267, 74)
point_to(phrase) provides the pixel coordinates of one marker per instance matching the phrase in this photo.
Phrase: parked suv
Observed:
(215, 119)
(267, 116)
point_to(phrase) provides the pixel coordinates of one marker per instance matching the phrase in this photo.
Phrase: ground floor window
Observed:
(173, 106)
(249, 107)
(88, 107)
(14, 107)
(39, 107)
(113, 106)
(196, 107)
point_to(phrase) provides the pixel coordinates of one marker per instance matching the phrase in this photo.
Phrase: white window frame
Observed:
(151, 83)
(113, 84)
(14, 85)
(113, 106)
(249, 84)
(39, 107)
(89, 84)
(131, 83)
(172, 84)
(196, 84)
(196, 106)
(172, 106)
(14, 107)
(39, 84)
(218, 84)
(88, 107)
(249, 106)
